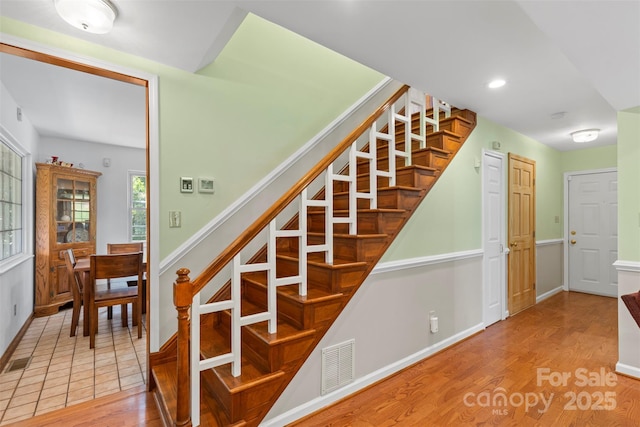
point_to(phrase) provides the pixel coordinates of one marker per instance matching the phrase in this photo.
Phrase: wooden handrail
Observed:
(259, 224)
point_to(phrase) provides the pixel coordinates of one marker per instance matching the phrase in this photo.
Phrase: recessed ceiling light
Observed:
(494, 84)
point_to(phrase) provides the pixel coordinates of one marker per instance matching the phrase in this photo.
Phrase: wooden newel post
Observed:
(182, 298)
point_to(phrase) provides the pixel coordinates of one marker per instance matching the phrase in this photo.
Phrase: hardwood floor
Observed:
(569, 334)
(459, 386)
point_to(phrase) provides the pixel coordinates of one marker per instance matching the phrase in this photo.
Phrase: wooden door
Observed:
(522, 245)
(593, 233)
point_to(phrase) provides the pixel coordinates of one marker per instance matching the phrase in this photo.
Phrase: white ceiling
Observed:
(579, 57)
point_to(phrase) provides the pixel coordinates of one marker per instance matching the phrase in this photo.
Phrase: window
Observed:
(11, 229)
(137, 206)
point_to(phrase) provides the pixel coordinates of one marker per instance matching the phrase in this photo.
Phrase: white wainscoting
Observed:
(389, 319)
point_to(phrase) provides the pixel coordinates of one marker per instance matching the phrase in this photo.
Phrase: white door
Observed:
(493, 219)
(593, 233)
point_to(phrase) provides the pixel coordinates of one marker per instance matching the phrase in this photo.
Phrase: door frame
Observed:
(565, 226)
(153, 154)
(504, 312)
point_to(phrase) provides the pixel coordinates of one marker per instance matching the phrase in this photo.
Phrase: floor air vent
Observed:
(18, 364)
(338, 365)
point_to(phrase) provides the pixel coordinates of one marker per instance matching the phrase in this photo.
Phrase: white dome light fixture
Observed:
(92, 16)
(495, 84)
(586, 135)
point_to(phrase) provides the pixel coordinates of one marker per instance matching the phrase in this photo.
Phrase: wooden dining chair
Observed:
(75, 284)
(121, 248)
(112, 267)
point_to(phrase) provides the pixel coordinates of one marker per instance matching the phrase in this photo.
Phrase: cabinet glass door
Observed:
(73, 212)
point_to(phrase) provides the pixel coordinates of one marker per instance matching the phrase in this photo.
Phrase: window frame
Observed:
(130, 176)
(26, 224)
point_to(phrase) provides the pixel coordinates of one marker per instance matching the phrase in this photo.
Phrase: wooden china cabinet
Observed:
(65, 219)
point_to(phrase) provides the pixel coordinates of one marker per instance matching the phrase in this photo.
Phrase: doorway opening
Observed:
(25, 49)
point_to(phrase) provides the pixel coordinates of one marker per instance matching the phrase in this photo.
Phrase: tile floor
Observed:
(63, 370)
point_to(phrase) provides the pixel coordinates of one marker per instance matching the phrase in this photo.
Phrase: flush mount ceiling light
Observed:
(495, 84)
(586, 135)
(93, 16)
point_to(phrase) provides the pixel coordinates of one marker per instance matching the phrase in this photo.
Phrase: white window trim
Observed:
(130, 175)
(27, 202)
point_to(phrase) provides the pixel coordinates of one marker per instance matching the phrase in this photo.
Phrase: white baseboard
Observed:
(631, 371)
(365, 381)
(548, 294)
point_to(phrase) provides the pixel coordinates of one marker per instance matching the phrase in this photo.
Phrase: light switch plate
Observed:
(175, 219)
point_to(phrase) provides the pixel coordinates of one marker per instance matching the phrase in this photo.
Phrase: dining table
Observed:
(83, 266)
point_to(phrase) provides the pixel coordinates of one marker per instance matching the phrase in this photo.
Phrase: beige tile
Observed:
(24, 399)
(131, 370)
(81, 384)
(81, 375)
(54, 391)
(10, 417)
(58, 372)
(100, 370)
(61, 353)
(107, 379)
(81, 367)
(130, 379)
(49, 402)
(104, 386)
(32, 379)
(11, 384)
(55, 382)
(6, 394)
(60, 364)
(46, 410)
(20, 391)
(36, 372)
(105, 362)
(80, 395)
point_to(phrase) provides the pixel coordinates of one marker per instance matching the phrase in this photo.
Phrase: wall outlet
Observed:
(433, 322)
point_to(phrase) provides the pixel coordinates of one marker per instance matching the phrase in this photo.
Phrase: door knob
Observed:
(573, 242)
(573, 232)
(514, 244)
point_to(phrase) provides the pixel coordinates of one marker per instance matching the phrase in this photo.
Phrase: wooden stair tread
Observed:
(286, 332)
(350, 236)
(346, 212)
(445, 132)
(213, 343)
(395, 187)
(435, 150)
(165, 376)
(313, 259)
(410, 167)
(291, 291)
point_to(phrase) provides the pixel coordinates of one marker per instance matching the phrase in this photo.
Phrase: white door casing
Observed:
(591, 232)
(493, 235)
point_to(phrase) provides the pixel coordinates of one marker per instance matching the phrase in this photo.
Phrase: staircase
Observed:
(308, 295)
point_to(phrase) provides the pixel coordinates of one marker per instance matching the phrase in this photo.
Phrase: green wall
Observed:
(590, 158)
(629, 185)
(450, 218)
(267, 94)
